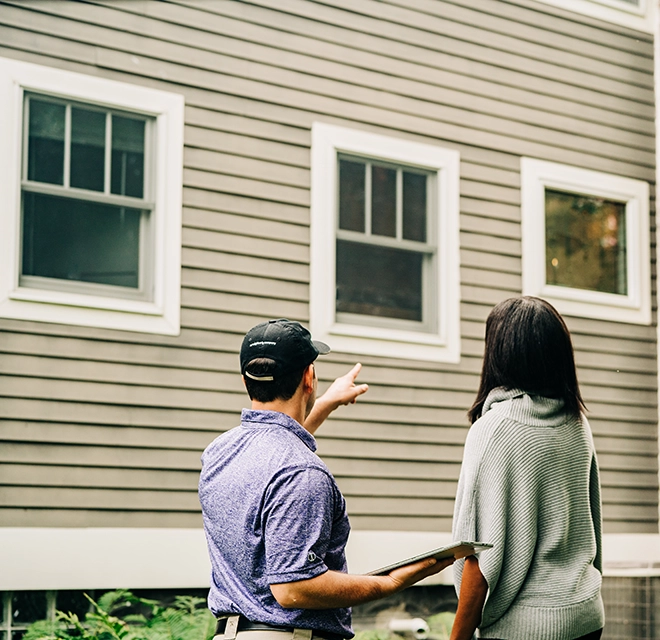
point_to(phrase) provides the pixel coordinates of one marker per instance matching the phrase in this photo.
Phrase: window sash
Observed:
(427, 249)
(368, 213)
(109, 113)
(145, 288)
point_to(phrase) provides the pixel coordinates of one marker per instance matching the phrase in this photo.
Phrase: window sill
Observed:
(592, 304)
(391, 343)
(92, 311)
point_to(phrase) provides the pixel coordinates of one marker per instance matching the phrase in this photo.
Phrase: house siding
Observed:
(105, 428)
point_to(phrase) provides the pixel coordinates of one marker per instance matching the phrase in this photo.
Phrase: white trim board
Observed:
(53, 558)
(633, 307)
(441, 344)
(161, 314)
(641, 18)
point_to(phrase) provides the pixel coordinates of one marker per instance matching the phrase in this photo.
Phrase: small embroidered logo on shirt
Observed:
(311, 556)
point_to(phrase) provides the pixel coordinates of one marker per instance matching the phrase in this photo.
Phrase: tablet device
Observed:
(456, 550)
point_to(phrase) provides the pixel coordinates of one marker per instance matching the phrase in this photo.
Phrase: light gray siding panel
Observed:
(105, 428)
(88, 498)
(203, 258)
(240, 205)
(27, 475)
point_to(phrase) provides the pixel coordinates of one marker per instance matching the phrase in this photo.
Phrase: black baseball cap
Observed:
(286, 342)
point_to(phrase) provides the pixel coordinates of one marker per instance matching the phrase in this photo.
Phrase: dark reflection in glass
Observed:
(28, 606)
(585, 242)
(414, 206)
(127, 169)
(383, 201)
(73, 602)
(87, 149)
(46, 142)
(351, 195)
(83, 241)
(379, 281)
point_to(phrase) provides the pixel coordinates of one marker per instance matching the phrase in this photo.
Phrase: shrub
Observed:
(120, 615)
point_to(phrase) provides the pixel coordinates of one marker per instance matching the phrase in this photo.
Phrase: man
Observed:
(274, 518)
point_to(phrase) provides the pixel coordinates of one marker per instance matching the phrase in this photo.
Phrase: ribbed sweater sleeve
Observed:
(529, 486)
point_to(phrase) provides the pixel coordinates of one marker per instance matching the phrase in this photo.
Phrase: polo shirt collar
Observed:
(252, 418)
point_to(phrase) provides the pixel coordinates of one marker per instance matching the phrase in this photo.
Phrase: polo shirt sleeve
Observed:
(300, 507)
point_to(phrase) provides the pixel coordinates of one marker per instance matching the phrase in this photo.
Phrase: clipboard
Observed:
(455, 550)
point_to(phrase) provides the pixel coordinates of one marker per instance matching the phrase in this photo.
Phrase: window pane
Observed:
(379, 281)
(351, 195)
(46, 142)
(414, 206)
(87, 149)
(383, 201)
(84, 241)
(127, 173)
(28, 606)
(73, 602)
(585, 242)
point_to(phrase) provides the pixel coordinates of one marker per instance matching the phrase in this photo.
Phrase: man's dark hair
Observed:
(528, 347)
(282, 388)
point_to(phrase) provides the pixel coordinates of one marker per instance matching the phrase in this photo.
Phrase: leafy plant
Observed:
(440, 625)
(120, 615)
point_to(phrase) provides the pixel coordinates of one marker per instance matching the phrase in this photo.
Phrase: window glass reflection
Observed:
(351, 195)
(46, 142)
(383, 201)
(127, 169)
(83, 241)
(585, 242)
(87, 149)
(379, 281)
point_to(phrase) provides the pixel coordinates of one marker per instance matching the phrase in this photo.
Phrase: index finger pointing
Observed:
(354, 372)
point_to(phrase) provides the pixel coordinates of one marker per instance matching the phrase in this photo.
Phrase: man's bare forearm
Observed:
(333, 590)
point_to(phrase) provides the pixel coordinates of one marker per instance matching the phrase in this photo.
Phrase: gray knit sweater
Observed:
(529, 486)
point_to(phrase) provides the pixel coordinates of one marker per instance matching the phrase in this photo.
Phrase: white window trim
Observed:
(635, 307)
(441, 346)
(641, 18)
(159, 316)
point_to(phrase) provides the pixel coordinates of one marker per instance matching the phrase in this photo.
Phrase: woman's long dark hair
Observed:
(528, 347)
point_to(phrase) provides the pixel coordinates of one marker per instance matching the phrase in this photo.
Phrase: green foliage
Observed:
(120, 615)
(373, 634)
(440, 625)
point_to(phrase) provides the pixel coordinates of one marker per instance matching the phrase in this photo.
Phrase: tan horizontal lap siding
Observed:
(105, 428)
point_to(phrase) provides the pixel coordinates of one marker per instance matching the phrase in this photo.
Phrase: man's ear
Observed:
(308, 378)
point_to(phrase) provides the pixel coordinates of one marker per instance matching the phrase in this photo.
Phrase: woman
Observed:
(529, 486)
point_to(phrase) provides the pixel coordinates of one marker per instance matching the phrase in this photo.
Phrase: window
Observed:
(586, 245)
(21, 608)
(636, 14)
(92, 231)
(384, 261)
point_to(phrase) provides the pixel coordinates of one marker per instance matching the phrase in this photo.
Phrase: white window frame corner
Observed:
(642, 18)
(633, 308)
(160, 315)
(441, 346)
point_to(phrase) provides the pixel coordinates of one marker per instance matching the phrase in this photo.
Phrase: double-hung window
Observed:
(86, 206)
(91, 234)
(384, 276)
(586, 241)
